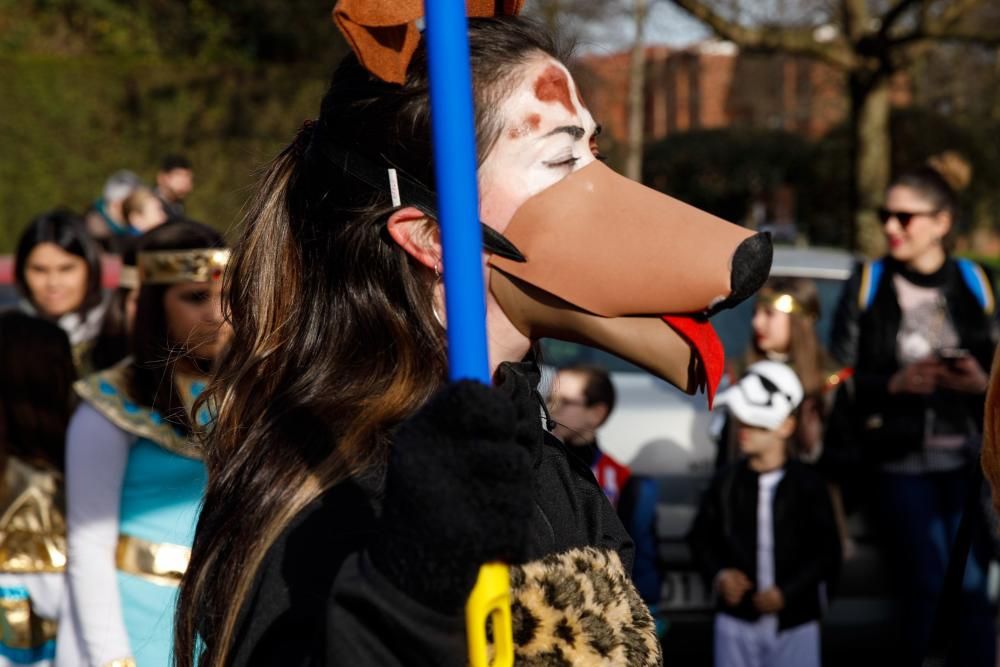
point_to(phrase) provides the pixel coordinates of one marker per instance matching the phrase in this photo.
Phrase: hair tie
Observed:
(304, 137)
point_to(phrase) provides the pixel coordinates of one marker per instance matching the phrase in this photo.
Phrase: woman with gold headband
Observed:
(134, 478)
(784, 329)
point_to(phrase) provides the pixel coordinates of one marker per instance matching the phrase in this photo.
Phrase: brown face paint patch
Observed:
(552, 86)
(529, 125)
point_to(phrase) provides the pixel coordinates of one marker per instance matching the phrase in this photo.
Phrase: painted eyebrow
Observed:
(574, 131)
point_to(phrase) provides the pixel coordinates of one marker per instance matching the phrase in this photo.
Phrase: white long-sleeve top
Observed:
(92, 628)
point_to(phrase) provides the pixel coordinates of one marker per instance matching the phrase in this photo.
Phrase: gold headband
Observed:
(784, 303)
(169, 267)
(128, 277)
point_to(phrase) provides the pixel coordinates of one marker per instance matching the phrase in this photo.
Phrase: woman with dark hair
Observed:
(36, 399)
(57, 268)
(919, 327)
(353, 494)
(134, 479)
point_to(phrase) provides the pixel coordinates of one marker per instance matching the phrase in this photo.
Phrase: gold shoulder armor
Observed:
(33, 523)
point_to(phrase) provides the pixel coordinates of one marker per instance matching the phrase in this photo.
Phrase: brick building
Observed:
(713, 85)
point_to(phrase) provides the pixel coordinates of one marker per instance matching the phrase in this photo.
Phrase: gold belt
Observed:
(21, 629)
(159, 563)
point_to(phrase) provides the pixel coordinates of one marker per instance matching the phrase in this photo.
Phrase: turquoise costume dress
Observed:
(161, 492)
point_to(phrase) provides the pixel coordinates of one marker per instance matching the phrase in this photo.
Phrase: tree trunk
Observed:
(636, 95)
(871, 156)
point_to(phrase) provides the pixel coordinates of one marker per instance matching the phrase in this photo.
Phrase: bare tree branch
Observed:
(795, 41)
(964, 35)
(896, 12)
(856, 19)
(954, 13)
(946, 27)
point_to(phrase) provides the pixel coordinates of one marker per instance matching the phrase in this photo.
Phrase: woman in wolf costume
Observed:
(353, 493)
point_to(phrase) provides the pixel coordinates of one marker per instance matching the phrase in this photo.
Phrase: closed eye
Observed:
(196, 297)
(568, 162)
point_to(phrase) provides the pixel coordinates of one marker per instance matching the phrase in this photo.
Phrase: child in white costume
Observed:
(765, 536)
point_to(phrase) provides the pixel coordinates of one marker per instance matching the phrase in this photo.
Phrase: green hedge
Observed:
(66, 124)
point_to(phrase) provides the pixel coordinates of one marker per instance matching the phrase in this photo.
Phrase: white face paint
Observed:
(547, 134)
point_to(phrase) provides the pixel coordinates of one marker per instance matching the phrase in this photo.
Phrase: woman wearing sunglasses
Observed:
(919, 328)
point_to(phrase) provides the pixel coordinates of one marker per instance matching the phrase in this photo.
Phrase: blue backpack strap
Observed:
(978, 283)
(871, 276)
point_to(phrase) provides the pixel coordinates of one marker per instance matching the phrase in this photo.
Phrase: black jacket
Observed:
(806, 542)
(319, 598)
(887, 426)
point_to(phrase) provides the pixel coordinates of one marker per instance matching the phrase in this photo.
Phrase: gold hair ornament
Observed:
(169, 267)
(784, 303)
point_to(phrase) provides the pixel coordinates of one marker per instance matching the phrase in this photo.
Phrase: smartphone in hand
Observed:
(951, 356)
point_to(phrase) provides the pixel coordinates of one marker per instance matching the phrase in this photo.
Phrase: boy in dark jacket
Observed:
(765, 536)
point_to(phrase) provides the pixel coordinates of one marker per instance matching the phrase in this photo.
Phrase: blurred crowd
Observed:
(882, 428)
(99, 395)
(98, 378)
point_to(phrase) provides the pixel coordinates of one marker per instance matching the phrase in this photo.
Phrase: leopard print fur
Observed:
(579, 608)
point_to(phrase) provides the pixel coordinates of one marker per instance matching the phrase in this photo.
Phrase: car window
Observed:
(8, 296)
(733, 327)
(560, 354)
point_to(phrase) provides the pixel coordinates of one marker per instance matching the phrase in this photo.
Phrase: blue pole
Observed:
(453, 130)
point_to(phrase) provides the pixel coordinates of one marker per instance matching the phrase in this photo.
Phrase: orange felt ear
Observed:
(384, 35)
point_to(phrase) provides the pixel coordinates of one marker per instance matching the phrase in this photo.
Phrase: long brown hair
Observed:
(153, 353)
(112, 344)
(334, 340)
(36, 390)
(806, 354)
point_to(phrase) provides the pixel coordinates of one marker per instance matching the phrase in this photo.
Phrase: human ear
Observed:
(415, 233)
(944, 221)
(598, 414)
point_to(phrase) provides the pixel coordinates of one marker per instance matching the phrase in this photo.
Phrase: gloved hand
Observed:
(458, 492)
(519, 382)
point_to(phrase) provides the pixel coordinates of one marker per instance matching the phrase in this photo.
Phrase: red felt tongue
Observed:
(702, 337)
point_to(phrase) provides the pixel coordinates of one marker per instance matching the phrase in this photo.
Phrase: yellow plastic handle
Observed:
(490, 598)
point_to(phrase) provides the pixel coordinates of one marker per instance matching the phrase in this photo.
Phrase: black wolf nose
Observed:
(751, 267)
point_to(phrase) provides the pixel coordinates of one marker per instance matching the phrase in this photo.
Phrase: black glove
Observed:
(458, 493)
(519, 382)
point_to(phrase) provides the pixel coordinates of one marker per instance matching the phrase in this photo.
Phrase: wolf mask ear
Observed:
(384, 33)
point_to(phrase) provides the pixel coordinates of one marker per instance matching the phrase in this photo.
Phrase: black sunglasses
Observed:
(904, 217)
